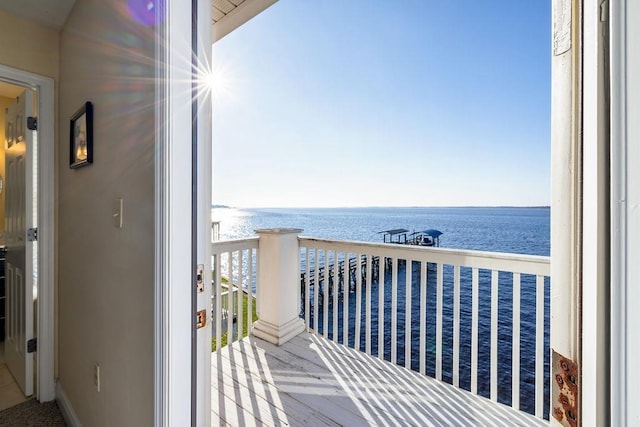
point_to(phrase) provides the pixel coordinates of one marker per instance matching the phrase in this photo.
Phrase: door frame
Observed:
(45, 326)
(182, 361)
(625, 217)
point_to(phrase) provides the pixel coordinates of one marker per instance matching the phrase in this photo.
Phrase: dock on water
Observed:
(330, 271)
(325, 275)
(402, 236)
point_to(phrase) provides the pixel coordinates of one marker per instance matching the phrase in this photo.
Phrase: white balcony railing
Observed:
(477, 320)
(234, 288)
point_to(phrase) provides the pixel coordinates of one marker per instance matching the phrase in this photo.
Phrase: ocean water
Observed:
(501, 229)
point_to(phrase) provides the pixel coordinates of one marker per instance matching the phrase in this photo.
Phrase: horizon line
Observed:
(221, 206)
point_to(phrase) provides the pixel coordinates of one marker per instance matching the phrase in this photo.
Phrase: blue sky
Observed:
(331, 103)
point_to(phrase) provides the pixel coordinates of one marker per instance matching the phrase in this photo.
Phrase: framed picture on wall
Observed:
(81, 137)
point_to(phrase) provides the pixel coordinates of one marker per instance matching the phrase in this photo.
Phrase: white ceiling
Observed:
(51, 13)
(231, 14)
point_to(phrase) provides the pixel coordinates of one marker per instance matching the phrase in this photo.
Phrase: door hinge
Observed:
(32, 234)
(200, 278)
(32, 123)
(565, 390)
(32, 345)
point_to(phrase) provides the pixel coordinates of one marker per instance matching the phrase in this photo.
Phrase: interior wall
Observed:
(34, 48)
(106, 274)
(4, 103)
(28, 46)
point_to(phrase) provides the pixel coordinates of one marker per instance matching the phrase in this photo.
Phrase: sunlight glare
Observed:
(221, 83)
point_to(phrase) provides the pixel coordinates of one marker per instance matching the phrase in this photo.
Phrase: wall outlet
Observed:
(96, 377)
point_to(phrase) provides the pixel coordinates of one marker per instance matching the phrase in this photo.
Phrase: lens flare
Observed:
(144, 12)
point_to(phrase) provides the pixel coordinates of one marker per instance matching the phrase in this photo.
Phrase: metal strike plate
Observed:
(200, 278)
(201, 319)
(565, 394)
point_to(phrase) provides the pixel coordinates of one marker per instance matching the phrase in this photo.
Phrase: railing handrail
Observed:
(501, 261)
(222, 246)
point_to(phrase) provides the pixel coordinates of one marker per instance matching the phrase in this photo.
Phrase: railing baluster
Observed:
(394, 310)
(439, 278)
(218, 299)
(381, 263)
(241, 277)
(358, 315)
(539, 346)
(474, 330)
(251, 259)
(230, 298)
(316, 288)
(494, 335)
(345, 299)
(407, 317)
(423, 317)
(456, 325)
(335, 291)
(325, 300)
(257, 273)
(515, 358)
(367, 303)
(307, 288)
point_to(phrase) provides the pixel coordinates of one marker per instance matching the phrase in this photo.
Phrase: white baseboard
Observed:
(66, 409)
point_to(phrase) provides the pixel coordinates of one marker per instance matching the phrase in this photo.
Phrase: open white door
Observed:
(20, 217)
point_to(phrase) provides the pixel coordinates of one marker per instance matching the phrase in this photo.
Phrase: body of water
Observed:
(501, 229)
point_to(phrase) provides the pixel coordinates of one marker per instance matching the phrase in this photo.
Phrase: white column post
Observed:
(278, 285)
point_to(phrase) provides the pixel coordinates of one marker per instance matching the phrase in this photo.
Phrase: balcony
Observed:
(355, 333)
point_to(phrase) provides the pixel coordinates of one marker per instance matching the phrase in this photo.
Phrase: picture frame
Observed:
(81, 137)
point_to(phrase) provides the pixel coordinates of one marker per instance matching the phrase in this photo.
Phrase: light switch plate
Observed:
(117, 212)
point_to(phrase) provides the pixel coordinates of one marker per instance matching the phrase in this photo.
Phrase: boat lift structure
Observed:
(429, 237)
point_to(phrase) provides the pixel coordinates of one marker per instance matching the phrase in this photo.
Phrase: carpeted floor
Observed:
(32, 413)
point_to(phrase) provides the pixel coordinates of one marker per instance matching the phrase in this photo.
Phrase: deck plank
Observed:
(313, 381)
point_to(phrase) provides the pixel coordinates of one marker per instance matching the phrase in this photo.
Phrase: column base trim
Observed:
(275, 334)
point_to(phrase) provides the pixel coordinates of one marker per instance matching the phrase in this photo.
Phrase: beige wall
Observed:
(106, 274)
(28, 46)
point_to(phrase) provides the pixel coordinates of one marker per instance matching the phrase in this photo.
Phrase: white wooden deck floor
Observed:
(313, 381)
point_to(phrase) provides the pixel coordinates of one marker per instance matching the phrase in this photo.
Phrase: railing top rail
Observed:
(527, 264)
(222, 246)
